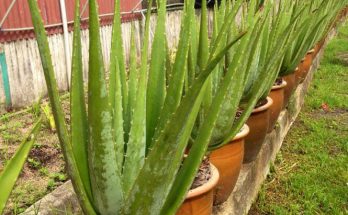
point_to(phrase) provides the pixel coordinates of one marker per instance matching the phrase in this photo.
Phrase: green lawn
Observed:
(310, 174)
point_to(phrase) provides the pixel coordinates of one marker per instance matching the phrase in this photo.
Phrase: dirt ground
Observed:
(44, 170)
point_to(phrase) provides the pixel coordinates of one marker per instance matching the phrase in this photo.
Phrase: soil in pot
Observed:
(228, 160)
(277, 95)
(289, 88)
(258, 123)
(199, 200)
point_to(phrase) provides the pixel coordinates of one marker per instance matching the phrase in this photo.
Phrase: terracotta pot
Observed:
(199, 201)
(300, 73)
(258, 123)
(228, 160)
(289, 88)
(316, 50)
(306, 65)
(277, 95)
(318, 47)
(297, 74)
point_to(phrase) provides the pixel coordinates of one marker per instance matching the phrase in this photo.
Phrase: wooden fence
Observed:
(25, 73)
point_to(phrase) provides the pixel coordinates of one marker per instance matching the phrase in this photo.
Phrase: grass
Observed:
(310, 174)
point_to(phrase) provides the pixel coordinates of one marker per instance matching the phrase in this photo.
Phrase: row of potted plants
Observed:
(135, 145)
(264, 116)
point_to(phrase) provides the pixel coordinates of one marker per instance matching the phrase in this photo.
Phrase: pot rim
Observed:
(207, 186)
(278, 87)
(265, 106)
(243, 133)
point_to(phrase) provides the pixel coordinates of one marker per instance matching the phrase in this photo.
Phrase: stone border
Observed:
(63, 200)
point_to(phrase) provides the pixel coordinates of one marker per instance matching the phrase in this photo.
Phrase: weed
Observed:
(33, 163)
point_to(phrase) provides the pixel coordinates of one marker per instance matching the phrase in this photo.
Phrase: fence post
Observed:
(66, 40)
(5, 79)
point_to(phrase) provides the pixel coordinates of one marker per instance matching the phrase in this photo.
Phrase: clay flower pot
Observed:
(305, 65)
(258, 123)
(199, 201)
(228, 160)
(277, 95)
(289, 88)
(318, 47)
(299, 73)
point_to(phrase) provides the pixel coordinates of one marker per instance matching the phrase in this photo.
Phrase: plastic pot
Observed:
(228, 160)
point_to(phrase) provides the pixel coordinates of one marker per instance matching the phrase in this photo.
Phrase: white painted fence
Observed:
(24, 65)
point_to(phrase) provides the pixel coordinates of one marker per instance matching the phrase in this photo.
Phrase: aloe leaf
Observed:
(203, 50)
(215, 45)
(222, 13)
(104, 172)
(265, 42)
(191, 164)
(162, 164)
(117, 52)
(193, 53)
(10, 173)
(168, 64)
(248, 50)
(57, 110)
(267, 76)
(136, 146)
(156, 90)
(307, 42)
(176, 81)
(79, 122)
(253, 54)
(118, 122)
(203, 47)
(133, 75)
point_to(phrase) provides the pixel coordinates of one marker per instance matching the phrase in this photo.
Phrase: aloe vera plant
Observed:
(315, 19)
(249, 66)
(11, 171)
(124, 149)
